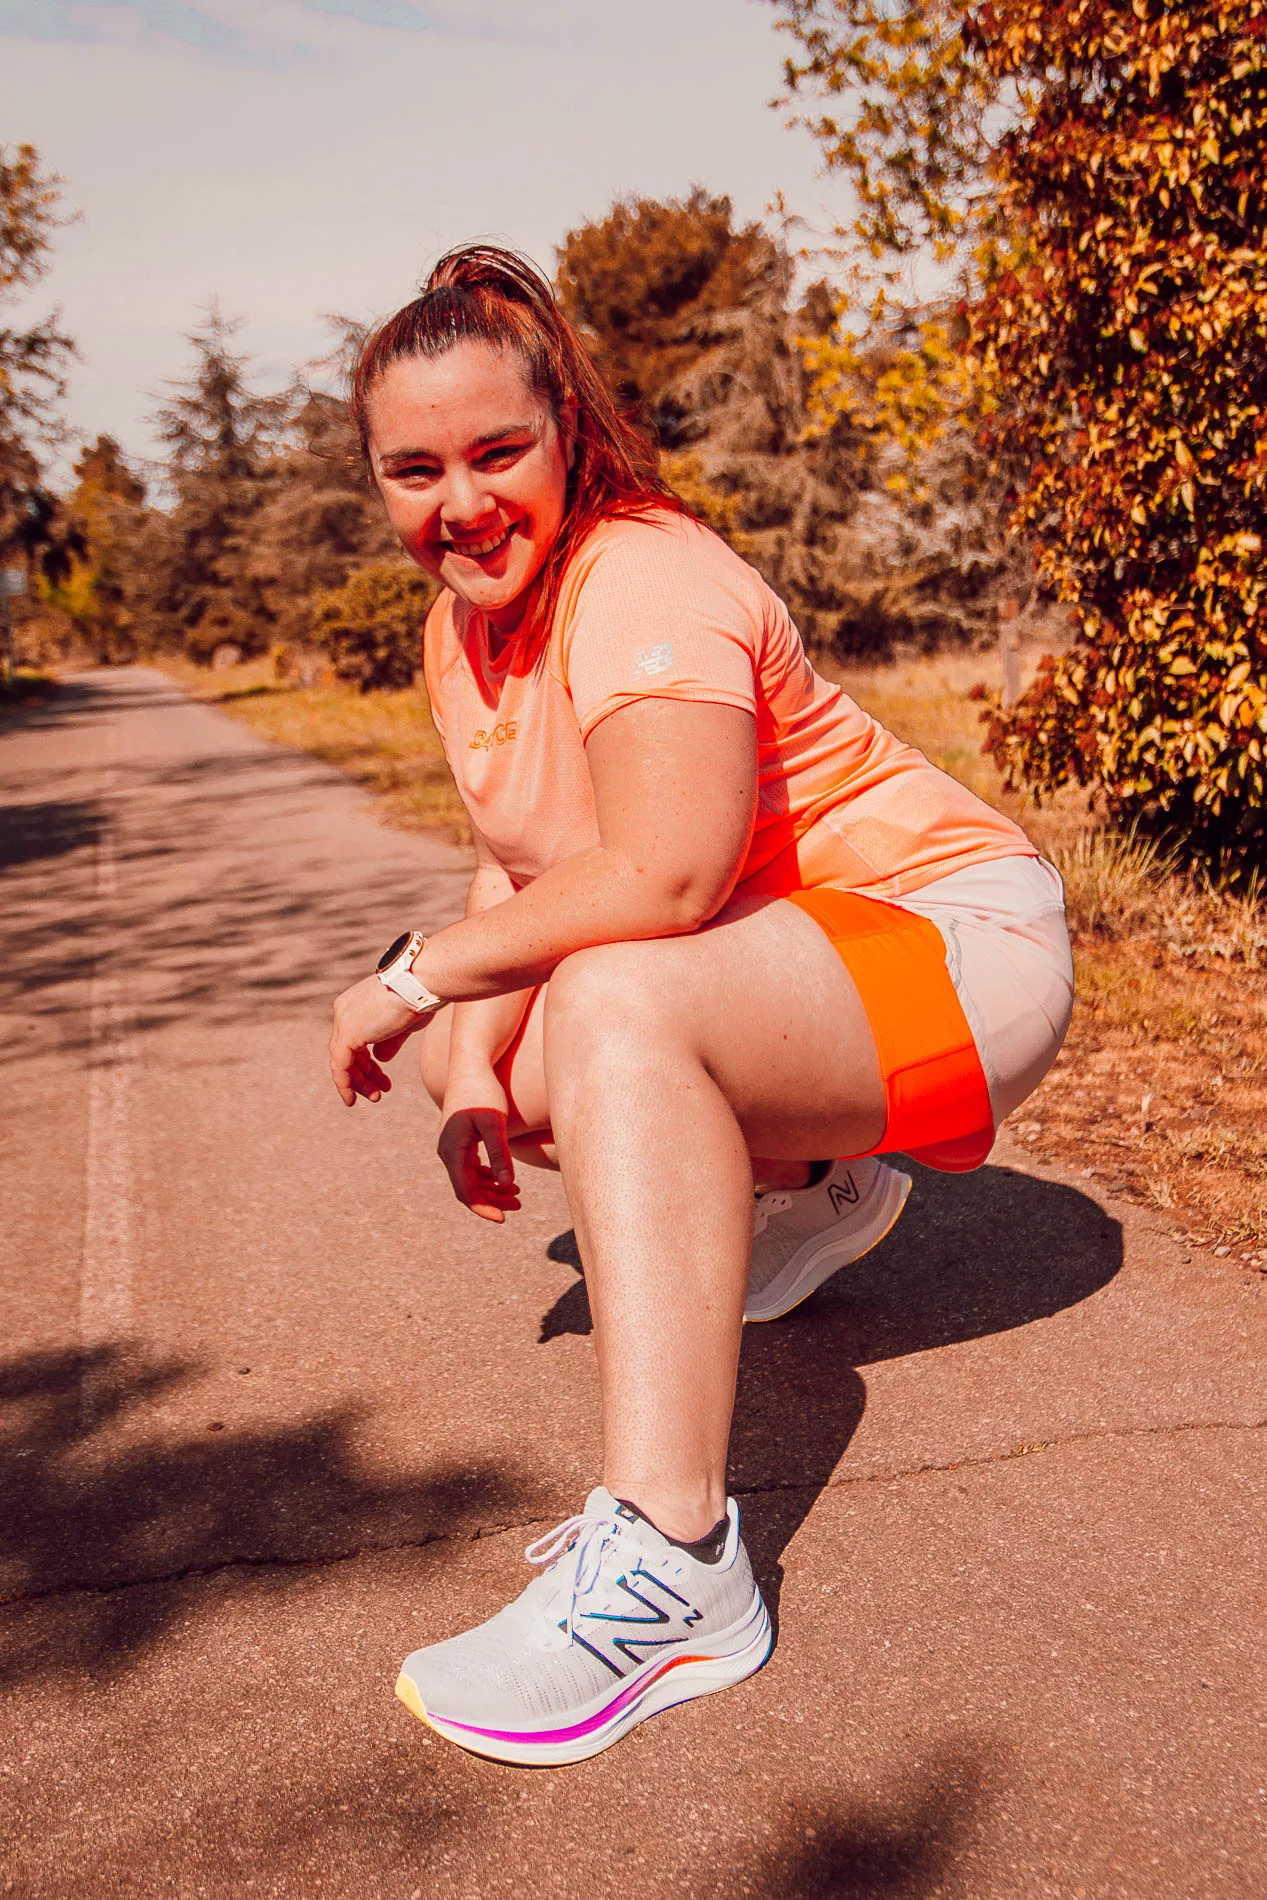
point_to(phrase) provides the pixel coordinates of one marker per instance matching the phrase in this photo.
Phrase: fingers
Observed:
(355, 1072)
(487, 1188)
(490, 1200)
(501, 1165)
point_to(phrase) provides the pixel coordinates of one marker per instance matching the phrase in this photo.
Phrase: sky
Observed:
(295, 157)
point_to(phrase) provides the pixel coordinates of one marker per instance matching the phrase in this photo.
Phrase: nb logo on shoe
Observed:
(671, 1617)
(843, 1194)
(500, 735)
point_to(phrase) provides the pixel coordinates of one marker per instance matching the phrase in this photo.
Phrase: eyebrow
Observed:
(480, 442)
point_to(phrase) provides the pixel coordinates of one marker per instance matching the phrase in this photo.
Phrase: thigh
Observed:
(765, 1003)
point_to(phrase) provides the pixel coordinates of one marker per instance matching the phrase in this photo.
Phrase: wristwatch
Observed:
(395, 973)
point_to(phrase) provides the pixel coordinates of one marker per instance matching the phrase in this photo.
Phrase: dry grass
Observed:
(1161, 1091)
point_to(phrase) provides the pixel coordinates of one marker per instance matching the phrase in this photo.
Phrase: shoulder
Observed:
(661, 559)
(660, 541)
(441, 642)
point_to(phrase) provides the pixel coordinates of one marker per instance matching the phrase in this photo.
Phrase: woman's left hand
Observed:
(370, 1026)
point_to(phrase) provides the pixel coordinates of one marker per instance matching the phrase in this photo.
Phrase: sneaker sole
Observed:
(817, 1260)
(656, 1685)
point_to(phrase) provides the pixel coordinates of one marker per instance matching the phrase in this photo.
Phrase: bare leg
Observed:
(662, 1066)
(665, 1061)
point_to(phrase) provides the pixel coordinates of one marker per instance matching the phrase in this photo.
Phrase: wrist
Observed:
(473, 1083)
(396, 972)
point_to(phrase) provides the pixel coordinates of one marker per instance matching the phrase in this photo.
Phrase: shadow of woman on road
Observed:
(973, 1255)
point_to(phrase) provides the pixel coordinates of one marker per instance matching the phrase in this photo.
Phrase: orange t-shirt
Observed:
(661, 608)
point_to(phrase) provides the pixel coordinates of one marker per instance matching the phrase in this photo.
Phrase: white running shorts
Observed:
(1007, 950)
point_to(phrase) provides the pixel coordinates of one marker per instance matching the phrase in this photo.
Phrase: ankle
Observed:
(682, 1516)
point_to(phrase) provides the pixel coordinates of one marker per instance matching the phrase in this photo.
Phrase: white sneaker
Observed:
(620, 1625)
(801, 1236)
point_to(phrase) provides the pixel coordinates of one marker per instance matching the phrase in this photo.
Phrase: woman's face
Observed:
(473, 468)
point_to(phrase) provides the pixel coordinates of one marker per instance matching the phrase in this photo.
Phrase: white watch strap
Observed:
(399, 978)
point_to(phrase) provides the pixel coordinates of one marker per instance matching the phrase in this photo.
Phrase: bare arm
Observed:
(482, 1031)
(675, 784)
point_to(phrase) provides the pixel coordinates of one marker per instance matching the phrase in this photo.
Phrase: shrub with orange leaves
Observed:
(1115, 297)
(1132, 341)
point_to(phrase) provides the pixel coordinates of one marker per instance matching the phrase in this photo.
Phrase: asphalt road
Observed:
(275, 1411)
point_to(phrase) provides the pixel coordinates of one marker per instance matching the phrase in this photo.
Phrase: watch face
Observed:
(393, 950)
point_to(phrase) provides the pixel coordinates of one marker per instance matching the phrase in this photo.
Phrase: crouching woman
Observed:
(725, 933)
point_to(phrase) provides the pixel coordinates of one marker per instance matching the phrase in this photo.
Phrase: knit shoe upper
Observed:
(620, 1624)
(801, 1236)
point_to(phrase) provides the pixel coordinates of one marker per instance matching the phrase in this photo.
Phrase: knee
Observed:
(605, 990)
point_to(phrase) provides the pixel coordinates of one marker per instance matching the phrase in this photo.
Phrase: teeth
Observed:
(480, 547)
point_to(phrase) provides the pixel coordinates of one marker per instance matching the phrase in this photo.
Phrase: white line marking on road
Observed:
(106, 1271)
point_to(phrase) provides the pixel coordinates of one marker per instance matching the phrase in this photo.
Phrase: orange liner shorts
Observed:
(936, 1095)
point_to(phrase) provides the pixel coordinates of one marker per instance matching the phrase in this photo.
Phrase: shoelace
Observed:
(764, 1205)
(581, 1533)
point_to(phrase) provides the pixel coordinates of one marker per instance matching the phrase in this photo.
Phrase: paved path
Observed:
(275, 1411)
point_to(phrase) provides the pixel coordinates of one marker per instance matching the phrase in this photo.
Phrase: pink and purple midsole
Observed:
(617, 1706)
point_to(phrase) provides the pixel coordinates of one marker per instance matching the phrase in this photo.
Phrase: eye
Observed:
(414, 472)
(502, 454)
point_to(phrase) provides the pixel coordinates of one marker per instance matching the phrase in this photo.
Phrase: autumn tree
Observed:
(103, 588)
(372, 626)
(703, 324)
(1093, 173)
(640, 281)
(33, 360)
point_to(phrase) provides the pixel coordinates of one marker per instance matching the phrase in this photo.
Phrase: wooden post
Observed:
(1010, 649)
(12, 581)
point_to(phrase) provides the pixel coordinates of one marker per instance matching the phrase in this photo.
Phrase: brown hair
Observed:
(482, 293)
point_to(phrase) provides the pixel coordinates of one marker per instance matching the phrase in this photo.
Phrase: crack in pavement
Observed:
(1023, 1450)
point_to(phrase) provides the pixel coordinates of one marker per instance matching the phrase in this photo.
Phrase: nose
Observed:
(465, 506)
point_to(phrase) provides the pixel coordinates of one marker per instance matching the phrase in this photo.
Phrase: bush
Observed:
(371, 627)
(1131, 339)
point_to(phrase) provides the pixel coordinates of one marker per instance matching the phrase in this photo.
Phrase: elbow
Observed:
(688, 905)
(665, 900)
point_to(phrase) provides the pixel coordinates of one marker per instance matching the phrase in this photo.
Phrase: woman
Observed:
(723, 930)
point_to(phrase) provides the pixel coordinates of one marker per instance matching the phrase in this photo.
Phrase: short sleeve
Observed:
(661, 612)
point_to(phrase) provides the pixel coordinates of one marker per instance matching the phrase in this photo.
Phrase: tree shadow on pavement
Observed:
(973, 1255)
(860, 1849)
(195, 917)
(85, 1514)
(30, 834)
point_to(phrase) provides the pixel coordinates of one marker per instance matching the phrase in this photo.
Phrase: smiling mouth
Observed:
(478, 549)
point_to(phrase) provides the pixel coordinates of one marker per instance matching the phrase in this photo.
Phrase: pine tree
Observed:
(220, 436)
(33, 360)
